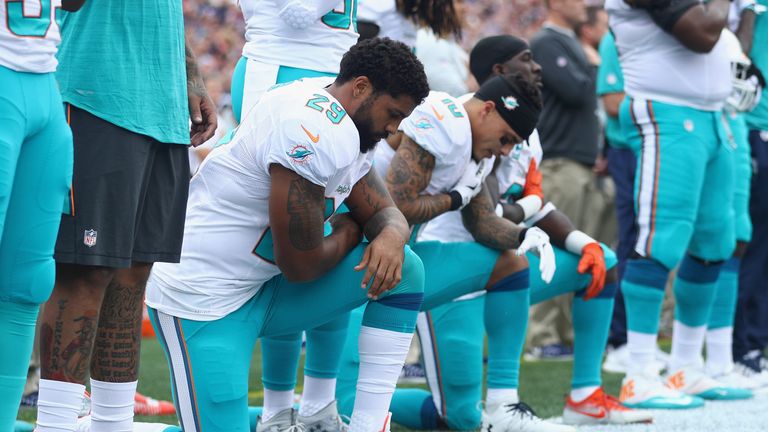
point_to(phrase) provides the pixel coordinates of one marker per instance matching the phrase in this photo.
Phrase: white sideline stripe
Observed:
(179, 371)
(430, 360)
(647, 174)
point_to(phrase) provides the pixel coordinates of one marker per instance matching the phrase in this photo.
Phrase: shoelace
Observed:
(522, 409)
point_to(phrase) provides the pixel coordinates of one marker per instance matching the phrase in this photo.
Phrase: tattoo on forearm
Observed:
(388, 217)
(194, 80)
(118, 339)
(486, 227)
(409, 174)
(305, 213)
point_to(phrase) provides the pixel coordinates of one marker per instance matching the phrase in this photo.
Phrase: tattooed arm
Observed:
(296, 213)
(486, 227)
(408, 175)
(202, 110)
(372, 207)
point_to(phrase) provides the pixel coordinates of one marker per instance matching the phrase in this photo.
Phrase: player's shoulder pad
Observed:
(438, 125)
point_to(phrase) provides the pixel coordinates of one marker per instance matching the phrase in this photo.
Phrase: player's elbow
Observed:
(293, 271)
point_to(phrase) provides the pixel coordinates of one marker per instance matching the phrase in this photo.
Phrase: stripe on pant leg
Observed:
(427, 338)
(643, 119)
(186, 404)
(164, 344)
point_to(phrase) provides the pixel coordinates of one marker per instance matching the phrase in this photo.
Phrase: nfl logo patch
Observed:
(89, 238)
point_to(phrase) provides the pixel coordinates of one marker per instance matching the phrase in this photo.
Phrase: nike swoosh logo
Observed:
(437, 114)
(314, 138)
(598, 414)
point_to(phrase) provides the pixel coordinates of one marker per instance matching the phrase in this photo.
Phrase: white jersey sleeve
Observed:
(29, 35)
(227, 253)
(513, 169)
(440, 126)
(299, 34)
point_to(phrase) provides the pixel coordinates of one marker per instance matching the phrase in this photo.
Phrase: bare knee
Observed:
(506, 264)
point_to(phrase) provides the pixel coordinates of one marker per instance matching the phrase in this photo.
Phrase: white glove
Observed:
(537, 240)
(471, 182)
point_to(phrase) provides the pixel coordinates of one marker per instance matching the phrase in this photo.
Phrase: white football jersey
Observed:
(29, 35)
(227, 253)
(510, 173)
(658, 67)
(392, 24)
(318, 46)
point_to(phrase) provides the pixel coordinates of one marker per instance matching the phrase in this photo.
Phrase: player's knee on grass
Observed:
(508, 263)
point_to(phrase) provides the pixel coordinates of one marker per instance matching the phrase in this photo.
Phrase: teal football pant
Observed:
(210, 360)
(35, 175)
(451, 337)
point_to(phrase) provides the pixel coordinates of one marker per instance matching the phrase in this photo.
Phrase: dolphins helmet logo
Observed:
(510, 102)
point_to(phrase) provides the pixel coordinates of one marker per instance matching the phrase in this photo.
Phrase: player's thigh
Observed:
(250, 80)
(12, 119)
(163, 205)
(209, 363)
(452, 270)
(33, 213)
(714, 237)
(451, 337)
(671, 167)
(742, 175)
(109, 178)
(301, 306)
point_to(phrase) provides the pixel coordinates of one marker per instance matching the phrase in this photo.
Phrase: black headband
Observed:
(519, 111)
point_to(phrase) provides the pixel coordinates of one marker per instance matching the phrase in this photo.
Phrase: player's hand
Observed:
(471, 182)
(593, 261)
(383, 263)
(533, 181)
(202, 112)
(538, 240)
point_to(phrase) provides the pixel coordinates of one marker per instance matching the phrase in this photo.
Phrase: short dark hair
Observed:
(390, 66)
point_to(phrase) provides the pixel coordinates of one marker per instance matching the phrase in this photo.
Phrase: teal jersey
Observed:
(758, 117)
(124, 62)
(610, 80)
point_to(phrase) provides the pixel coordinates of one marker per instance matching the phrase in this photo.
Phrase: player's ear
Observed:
(361, 87)
(488, 108)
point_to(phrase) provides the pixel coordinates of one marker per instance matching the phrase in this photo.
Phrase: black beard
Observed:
(362, 119)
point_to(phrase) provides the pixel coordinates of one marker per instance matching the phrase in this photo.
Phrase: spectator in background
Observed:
(750, 331)
(569, 132)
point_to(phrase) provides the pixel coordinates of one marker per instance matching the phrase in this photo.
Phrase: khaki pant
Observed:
(588, 201)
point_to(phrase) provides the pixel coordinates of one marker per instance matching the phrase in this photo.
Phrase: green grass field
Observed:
(544, 384)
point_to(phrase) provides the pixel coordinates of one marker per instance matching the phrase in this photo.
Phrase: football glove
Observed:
(537, 240)
(593, 261)
(471, 182)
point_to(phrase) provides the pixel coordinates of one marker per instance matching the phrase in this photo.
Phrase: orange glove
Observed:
(593, 261)
(533, 181)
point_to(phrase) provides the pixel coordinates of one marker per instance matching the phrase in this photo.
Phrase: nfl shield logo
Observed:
(89, 238)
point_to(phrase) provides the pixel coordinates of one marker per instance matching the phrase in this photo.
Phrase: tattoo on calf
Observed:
(68, 363)
(305, 212)
(118, 340)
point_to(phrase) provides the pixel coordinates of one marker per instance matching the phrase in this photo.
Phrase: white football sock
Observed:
(497, 396)
(382, 354)
(642, 352)
(112, 406)
(719, 354)
(687, 343)
(276, 401)
(318, 393)
(581, 393)
(58, 405)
